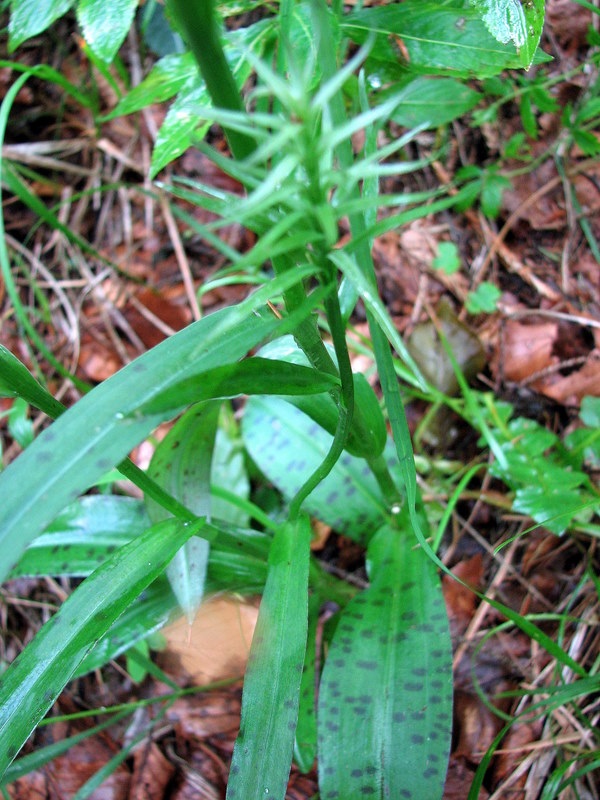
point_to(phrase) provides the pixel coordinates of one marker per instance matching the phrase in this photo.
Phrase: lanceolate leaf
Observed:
(385, 700)
(28, 17)
(252, 376)
(105, 25)
(181, 465)
(101, 429)
(305, 745)
(32, 683)
(262, 755)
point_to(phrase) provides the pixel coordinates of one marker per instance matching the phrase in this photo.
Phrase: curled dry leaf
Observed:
(526, 350)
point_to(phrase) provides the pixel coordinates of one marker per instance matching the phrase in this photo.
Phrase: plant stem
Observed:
(201, 30)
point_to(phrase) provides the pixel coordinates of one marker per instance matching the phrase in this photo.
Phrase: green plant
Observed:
(387, 674)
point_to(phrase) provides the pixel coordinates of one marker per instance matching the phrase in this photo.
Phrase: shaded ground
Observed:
(541, 351)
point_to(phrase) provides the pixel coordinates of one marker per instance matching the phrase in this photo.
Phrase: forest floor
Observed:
(537, 347)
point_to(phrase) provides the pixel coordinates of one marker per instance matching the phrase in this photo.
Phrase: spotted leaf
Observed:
(385, 700)
(288, 446)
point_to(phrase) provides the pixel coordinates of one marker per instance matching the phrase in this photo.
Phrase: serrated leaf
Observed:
(484, 299)
(34, 680)
(517, 21)
(288, 446)
(29, 17)
(554, 509)
(385, 700)
(105, 25)
(181, 464)
(262, 754)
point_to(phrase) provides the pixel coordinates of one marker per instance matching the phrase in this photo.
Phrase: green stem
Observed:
(199, 24)
(389, 490)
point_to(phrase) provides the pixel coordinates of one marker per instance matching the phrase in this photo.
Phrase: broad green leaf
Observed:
(28, 17)
(435, 37)
(181, 464)
(433, 102)
(517, 21)
(99, 430)
(83, 536)
(262, 755)
(385, 699)
(167, 77)
(34, 680)
(253, 376)
(105, 25)
(288, 446)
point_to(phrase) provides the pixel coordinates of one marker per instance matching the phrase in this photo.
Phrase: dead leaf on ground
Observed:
(524, 350)
(216, 646)
(571, 389)
(200, 716)
(460, 602)
(458, 778)
(151, 773)
(513, 750)
(68, 773)
(475, 725)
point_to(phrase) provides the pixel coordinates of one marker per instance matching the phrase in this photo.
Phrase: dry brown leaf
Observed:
(33, 786)
(68, 773)
(475, 725)
(570, 389)
(514, 747)
(216, 646)
(525, 350)
(460, 602)
(458, 778)
(200, 716)
(151, 773)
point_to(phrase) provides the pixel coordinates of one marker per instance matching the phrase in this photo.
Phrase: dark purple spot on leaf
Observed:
(399, 716)
(364, 664)
(416, 738)
(413, 687)
(356, 773)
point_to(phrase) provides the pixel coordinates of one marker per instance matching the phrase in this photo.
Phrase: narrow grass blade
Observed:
(262, 755)
(32, 683)
(385, 701)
